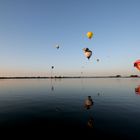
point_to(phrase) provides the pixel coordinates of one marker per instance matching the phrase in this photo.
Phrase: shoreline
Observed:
(65, 77)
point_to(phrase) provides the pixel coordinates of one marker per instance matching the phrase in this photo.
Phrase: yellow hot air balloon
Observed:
(89, 35)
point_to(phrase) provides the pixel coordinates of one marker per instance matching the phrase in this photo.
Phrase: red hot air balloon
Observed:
(137, 64)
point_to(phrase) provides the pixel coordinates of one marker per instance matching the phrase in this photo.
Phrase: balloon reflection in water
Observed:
(88, 102)
(90, 123)
(137, 90)
(52, 88)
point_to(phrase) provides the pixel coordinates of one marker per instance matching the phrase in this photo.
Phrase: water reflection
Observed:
(88, 102)
(52, 88)
(137, 90)
(76, 103)
(90, 123)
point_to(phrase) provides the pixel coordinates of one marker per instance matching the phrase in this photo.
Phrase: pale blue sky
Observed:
(30, 29)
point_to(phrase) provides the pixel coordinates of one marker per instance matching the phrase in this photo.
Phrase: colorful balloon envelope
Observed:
(87, 52)
(89, 35)
(137, 64)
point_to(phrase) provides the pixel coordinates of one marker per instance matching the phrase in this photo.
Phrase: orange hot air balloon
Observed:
(137, 64)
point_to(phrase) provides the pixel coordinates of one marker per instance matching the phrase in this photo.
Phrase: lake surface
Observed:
(60, 103)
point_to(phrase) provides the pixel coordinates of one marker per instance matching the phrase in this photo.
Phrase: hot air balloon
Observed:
(97, 60)
(87, 52)
(52, 67)
(57, 46)
(137, 64)
(89, 35)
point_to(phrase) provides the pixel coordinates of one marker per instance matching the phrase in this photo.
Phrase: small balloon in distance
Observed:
(89, 35)
(97, 60)
(57, 46)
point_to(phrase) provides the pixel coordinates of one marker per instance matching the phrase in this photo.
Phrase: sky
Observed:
(30, 30)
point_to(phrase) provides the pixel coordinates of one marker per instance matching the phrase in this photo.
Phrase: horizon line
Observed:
(53, 77)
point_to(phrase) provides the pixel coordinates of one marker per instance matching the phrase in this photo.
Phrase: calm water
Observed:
(60, 103)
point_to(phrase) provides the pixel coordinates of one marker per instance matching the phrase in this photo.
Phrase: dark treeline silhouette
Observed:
(53, 77)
